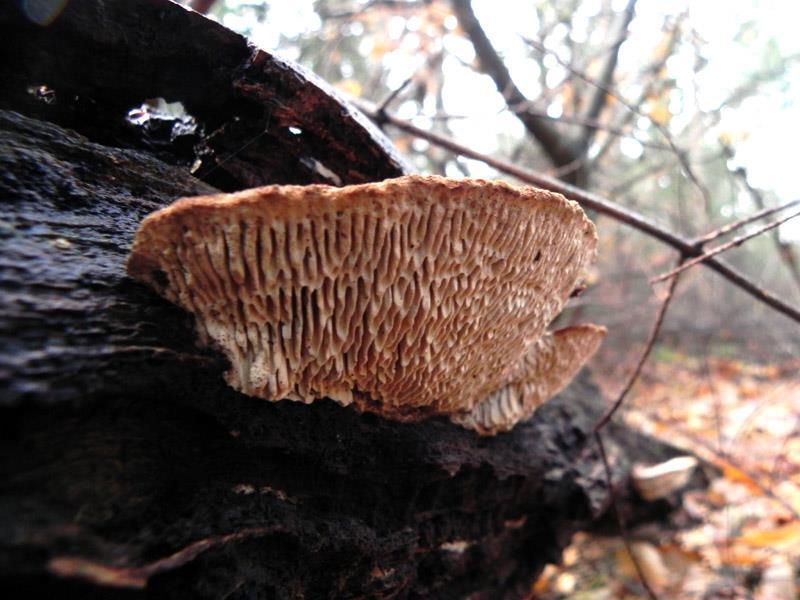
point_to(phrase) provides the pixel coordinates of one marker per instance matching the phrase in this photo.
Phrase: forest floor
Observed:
(740, 538)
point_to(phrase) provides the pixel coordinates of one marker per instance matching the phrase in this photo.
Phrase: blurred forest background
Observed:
(683, 111)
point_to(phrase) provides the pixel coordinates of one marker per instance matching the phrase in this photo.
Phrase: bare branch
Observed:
(597, 203)
(600, 98)
(564, 119)
(680, 154)
(651, 340)
(737, 241)
(587, 123)
(552, 141)
(726, 229)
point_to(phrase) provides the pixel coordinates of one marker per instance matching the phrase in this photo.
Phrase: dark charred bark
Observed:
(128, 468)
(265, 120)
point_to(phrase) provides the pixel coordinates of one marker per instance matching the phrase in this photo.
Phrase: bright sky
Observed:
(769, 117)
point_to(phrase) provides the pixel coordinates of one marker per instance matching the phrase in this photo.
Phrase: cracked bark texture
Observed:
(129, 469)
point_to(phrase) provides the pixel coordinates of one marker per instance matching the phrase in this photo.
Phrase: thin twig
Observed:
(651, 340)
(652, 170)
(218, 163)
(653, 69)
(556, 146)
(137, 577)
(587, 123)
(599, 99)
(784, 249)
(606, 418)
(381, 110)
(596, 203)
(726, 229)
(737, 241)
(623, 529)
(564, 119)
(564, 171)
(680, 154)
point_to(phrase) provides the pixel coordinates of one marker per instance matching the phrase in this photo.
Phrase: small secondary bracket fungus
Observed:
(409, 298)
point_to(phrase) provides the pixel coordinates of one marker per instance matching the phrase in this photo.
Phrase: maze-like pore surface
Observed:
(411, 297)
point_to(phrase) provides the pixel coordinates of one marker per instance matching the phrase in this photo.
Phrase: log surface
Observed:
(127, 467)
(264, 120)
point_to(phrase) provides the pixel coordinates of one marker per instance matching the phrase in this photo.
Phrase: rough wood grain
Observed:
(72, 326)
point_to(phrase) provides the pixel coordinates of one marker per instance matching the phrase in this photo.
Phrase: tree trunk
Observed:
(127, 467)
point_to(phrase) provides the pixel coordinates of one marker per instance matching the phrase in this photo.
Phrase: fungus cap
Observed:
(409, 298)
(543, 371)
(654, 482)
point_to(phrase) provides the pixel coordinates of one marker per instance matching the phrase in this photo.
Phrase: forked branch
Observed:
(737, 241)
(731, 227)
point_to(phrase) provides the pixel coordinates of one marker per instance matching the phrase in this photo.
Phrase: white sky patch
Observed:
(468, 94)
(477, 169)
(509, 16)
(767, 153)
(395, 27)
(761, 126)
(582, 20)
(288, 18)
(766, 122)
(400, 67)
(630, 148)
(525, 72)
(555, 109)
(459, 47)
(507, 29)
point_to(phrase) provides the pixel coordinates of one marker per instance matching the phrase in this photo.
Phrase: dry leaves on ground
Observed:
(745, 538)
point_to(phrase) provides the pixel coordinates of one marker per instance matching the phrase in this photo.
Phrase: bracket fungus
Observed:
(409, 298)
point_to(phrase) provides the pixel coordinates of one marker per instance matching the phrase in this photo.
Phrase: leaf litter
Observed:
(742, 539)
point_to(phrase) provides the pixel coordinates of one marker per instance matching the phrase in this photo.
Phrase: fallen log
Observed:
(126, 461)
(264, 120)
(127, 466)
